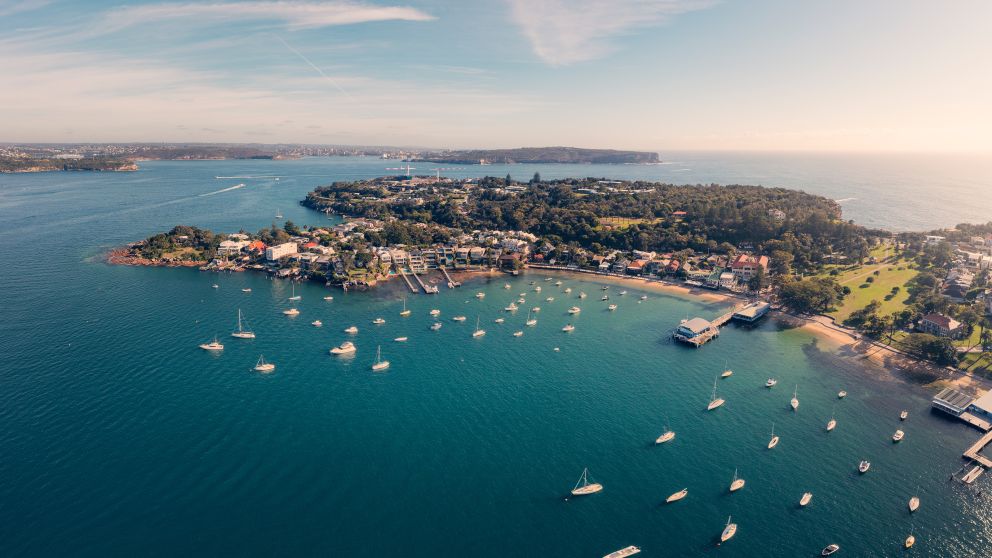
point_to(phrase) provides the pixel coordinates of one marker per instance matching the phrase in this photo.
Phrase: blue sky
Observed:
(841, 75)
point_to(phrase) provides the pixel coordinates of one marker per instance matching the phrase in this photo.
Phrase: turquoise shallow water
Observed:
(120, 437)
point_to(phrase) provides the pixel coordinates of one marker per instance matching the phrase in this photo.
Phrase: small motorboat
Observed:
(830, 549)
(904, 415)
(831, 424)
(435, 326)
(864, 466)
(727, 373)
(550, 299)
(914, 504)
(841, 394)
(248, 290)
(343, 349)
(215, 286)
(458, 319)
(506, 286)
(535, 309)
(574, 310)
(214, 345)
(623, 293)
(378, 321)
(771, 382)
(568, 328)
(400, 339)
(518, 334)
(291, 312)
(644, 297)
(351, 330)
(605, 298)
(499, 320)
(804, 501)
(677, 496)
(611, 307)
(910, 541)
(328, 298)
(898, 436)
(435, 312)
(480, 295)
(316, 323)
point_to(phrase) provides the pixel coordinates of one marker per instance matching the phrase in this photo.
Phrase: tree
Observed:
(291, 228)
(813, 295)
(930, 347)
(536, 179)
(507, 181)
(780, 262)
(758, 281)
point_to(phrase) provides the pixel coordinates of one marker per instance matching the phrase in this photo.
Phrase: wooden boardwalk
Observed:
(974, 454)
(451, 282)
(407, 280)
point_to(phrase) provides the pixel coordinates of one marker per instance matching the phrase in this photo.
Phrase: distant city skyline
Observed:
(622, 74)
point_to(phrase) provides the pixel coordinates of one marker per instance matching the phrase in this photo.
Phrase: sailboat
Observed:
(530, 321)
(729, 531)
(379, 363)
(666, 436)
(584, 487)
(404, 312)
(714, 400)
(914, 503)
(295, 296)
(727, 372)
(737, 483)
(677, 496)
(241, 332)
(795, 400)
(278, 214)
(832, 423)
(262, 366)
(910, 540)
(479, 332)
(774, 441)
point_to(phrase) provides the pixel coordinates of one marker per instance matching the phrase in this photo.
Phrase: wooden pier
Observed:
(427, 290)
(974, 452)
(407, 280)
(451, 282)
(698, 331)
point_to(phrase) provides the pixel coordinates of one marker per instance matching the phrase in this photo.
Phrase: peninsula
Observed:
(572, 155)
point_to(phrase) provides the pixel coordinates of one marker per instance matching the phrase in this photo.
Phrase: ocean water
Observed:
(120, 437)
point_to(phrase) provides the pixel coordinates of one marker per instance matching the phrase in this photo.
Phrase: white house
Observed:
(273, 253)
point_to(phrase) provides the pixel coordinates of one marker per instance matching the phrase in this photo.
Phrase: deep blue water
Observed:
(119, 437)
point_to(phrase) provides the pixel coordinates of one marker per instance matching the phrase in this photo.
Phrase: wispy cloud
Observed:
(11, 7)
(296, 15)
(564, 32)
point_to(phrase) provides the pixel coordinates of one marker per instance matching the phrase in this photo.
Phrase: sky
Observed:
(816, 75)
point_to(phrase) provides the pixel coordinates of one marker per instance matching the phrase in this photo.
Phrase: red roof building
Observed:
(745, 266)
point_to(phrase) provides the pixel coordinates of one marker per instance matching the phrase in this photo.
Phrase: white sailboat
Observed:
(914, 503)
(530, 321)
(729, 531)
(295, 296)
(727, 372)
(677, 496)
(404, 312)
(379, 363)
(584, 487)
(737, 483)
(795, 400)
(714, 400)
(667, 436)
(479, 332)
(262, 366)
(241, 332)
(832, 423)
(774, 441)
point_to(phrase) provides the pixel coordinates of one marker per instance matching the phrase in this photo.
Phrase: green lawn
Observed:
(889, 275)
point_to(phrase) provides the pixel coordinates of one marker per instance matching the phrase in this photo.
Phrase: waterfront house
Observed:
(636, 267)
(941, 326)
(273, 253)
(745, 266)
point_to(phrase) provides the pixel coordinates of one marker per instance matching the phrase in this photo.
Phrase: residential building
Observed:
(273, 253)
(746, 266)
(941, 325)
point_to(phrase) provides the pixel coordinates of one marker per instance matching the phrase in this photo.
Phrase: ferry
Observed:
(345, 348)
(262, 366)
(623, 552)
(677, 496)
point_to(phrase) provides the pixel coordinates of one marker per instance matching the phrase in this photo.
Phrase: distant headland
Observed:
(538, 155)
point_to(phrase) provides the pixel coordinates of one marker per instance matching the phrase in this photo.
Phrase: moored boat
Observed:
(624, 552)
(737, 483)
(898, 436)
(794, 403)
(729, 531)
(317, 323)
(351, 330)
(435, 326)
(864, 466)
(771, 382)
(774, 440)
(904, 415)
(343, 349)
(379, 363)
(291, 312)
(714, 400)
(262, 366)
(214, 345)
(459, 319)
(479, 332)
(568, 328)
(241, 332)
(584, 487)
(379, 321)
(914, 503)
(804, 501)
(841, 394)
(400, 339)
(677, 496)
(830, 549)
(574, 310)
(611, 307)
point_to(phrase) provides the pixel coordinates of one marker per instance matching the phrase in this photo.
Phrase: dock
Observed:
(427, 290)
(407, 280)
(699, 331)
(974, 452)
(451, 282)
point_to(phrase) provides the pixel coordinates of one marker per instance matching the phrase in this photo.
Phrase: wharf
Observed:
(407, 280)
(427, 290)
(698, 331)
(974, 452)
(451, 282)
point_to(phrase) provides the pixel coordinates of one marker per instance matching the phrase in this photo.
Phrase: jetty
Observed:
(407, 280)
(451, 282)
(427, 289)
(699, 331)
(971, 411)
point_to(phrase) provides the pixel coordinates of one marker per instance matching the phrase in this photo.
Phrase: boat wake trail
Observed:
(842, 200)
(235, 187)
